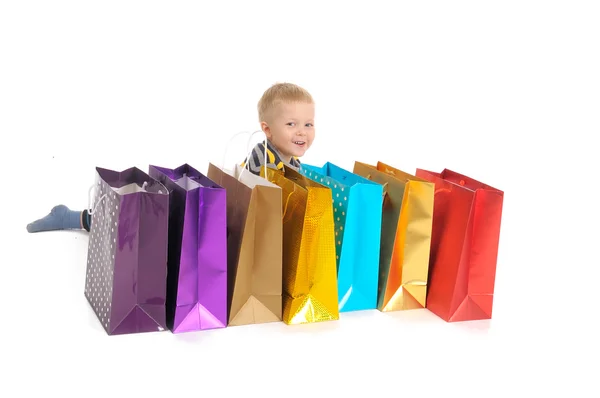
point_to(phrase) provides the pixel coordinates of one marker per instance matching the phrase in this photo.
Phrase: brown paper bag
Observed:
(254, 246)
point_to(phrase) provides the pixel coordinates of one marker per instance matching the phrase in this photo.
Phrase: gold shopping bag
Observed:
(405, 236)
(254, 241)
(309, 263)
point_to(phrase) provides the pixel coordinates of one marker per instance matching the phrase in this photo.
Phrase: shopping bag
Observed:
(127, 252)
(357, 206)
(309, 266)
(197, 262)
(405, 236)
(466, 231)
(254, 241)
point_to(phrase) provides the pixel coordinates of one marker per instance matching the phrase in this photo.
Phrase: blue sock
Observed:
(60, 217)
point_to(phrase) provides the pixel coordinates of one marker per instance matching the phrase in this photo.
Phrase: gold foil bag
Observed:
(405, 236)
(309, 263)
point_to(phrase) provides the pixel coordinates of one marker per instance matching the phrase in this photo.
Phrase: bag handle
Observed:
(92, 209)
(385, 185)
(249, 153)
(228, 146)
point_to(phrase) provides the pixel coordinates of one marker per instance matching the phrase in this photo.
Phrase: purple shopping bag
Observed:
(127, 252)
(197, 263)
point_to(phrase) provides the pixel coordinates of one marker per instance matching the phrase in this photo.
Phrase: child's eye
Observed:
(291, 124)
(309, 125)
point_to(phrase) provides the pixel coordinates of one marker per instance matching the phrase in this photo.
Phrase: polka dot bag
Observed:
(126, 274)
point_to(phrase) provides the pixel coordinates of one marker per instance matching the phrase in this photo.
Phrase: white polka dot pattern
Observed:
(101, 252)
(339, 195)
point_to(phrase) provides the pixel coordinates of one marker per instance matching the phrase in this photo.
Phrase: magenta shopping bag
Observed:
(197, 263)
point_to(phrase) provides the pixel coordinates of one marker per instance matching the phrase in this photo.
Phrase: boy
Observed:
(286, 114)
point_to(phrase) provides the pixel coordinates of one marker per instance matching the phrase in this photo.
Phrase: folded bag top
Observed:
(128, 181)
(180, 173)
(460, 179)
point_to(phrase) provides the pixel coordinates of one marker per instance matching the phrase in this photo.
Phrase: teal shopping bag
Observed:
(357, 205)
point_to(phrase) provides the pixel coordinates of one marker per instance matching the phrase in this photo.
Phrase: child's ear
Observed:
(266, 129)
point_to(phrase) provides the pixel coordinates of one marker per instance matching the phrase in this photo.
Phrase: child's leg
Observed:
(61, 217)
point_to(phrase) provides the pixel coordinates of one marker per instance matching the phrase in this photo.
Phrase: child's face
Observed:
(292, 128)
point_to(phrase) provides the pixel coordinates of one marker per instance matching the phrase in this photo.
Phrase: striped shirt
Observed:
(257, 158)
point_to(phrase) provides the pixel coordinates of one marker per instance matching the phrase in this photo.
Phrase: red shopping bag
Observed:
(464, 246)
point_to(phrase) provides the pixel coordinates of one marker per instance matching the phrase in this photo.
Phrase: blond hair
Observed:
(281, 93)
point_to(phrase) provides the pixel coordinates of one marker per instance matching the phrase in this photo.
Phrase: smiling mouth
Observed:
(299, 143)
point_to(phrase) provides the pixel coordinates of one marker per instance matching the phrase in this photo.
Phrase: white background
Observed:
(507, 92)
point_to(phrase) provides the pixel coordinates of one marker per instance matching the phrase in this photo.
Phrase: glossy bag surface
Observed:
(405, 236)
(309, 267)
(197, 263)
(466, 232)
